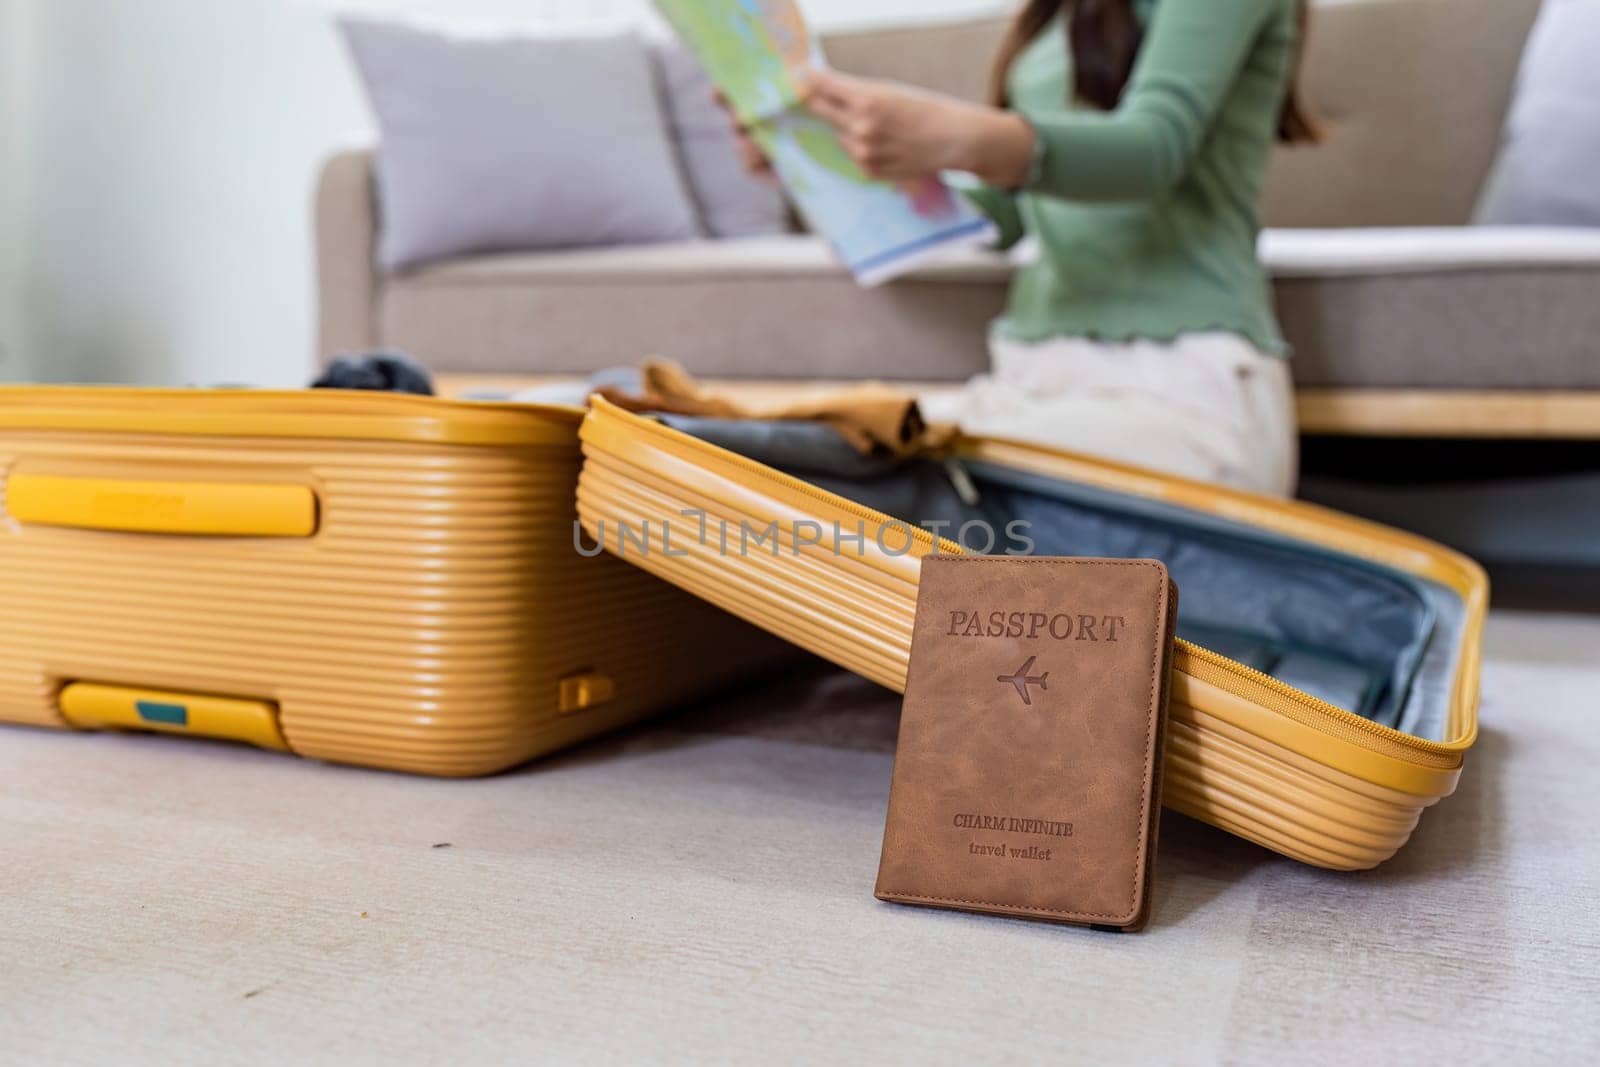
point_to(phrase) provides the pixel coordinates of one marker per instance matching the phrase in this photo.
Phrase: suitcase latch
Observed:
(585, 690)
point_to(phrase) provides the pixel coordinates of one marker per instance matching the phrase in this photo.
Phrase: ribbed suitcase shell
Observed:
(1245, 752)
(427, 623)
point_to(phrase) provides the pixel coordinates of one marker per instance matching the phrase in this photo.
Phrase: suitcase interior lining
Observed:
(1370, 639)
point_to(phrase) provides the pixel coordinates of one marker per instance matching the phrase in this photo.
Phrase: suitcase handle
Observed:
(91, 706)
(237, 509)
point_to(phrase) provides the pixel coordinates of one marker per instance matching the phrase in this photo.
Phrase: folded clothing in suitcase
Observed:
(1326, 677)
(361, 577)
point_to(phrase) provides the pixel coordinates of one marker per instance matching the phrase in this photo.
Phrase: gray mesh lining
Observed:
(1367, 638)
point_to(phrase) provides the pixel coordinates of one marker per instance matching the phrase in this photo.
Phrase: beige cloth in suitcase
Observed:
(1205, 406)
(873, 417)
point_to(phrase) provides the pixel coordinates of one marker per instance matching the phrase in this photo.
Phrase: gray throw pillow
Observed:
(516, 142)
(1547, 170)
(731, 202)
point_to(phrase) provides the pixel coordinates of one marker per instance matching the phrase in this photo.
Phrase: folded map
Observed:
(757, 53)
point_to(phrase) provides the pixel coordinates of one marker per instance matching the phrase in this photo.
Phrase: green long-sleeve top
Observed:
(1146, 215)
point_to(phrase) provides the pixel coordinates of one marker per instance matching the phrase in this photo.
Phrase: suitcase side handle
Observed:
(92, 706)
(234, 509)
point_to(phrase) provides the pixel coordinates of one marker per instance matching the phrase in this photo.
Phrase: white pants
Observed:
(1206, 406)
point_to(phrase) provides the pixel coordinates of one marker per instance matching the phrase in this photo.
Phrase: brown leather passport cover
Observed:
(1027, 776)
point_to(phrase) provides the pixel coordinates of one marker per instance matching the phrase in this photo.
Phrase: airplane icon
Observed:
(1022, 679)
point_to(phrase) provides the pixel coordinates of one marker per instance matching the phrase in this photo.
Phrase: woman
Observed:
(1128, 139)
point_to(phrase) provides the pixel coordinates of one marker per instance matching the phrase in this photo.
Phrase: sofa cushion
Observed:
(1410, 95)
(730, 201)
(515, 142)
(1458, 307)
(771, 307)
(1426, 249)
(1546, 172)
(1453, 307)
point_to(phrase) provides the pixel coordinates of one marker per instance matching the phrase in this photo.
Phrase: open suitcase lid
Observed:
(1451, 590)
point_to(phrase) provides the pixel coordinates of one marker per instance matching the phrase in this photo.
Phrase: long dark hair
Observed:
(1104, 36)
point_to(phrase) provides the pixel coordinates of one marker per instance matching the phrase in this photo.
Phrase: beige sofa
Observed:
(1404, 318)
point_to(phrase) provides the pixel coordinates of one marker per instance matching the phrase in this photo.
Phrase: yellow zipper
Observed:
(1208, 666)
(1302, 707)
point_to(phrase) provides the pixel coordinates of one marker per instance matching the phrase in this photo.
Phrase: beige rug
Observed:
(702, 891)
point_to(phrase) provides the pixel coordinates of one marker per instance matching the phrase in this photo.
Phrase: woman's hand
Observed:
(895, 132)
(754, 160)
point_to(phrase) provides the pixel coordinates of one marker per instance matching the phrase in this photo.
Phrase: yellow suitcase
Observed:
(1382, 622)
(366, 578)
